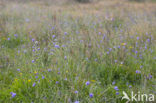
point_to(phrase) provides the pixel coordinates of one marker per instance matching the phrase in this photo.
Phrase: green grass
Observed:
(91, 48)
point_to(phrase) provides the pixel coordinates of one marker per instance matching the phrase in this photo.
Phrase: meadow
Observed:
(69, 52)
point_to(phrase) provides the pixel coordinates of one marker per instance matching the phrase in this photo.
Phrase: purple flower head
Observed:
(137, 38)
(150, 76)
(91, 95)
(53, 36)
(130, 86)
(115, 61)
(36, 77)
(76, 92)
(113, 82)
(18, 70)
(16, 35)
(34, 84)
(57, 82)
(57, 46)
(87, 83)
(76, 102)
(65, 33)
(33, 40)
(43, 77)
(138, 71)
(8, 38)
(116, 88)
(117, 93)
(13, 94)
(33, 61)
(49, 70)
(65, 57)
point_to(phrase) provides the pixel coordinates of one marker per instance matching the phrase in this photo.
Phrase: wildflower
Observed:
(33, 40)
(53, 36)
(8, 38)
(91, 95)
(76, 102)
(34, 84)
(29, 80)
(49, 70)
(33, 61)
(18, 70)
(65, 33)
(116, 88)
(130, 86)
(36, 77)
(65, 57)
(16, 35)
(117, 93)
(138, 71)
(113, 82)
(13, 94)
(57, 82)
(123, 44)
(137, 38)
(57, 46)
(43, 77)
(87, 83)
(76, 92)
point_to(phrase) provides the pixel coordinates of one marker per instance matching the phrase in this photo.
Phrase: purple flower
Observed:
(117, 93)
(33, 40)
(33, 61)
(57, 82)
(130, 86)
(76, 102)
(43, 77)
(49, 70)
(57, 46)
(18, 70)
(113, 82)
(116, 88)
(87, 83)
(13, 94)
(65, 33)
(65, 57)
(76, 92)
(8, 38)
(137, 38)
(34, 84)
(36, 76)
(150, 76)
(16, 35)
(138, 71)
(53, 36)
(91, 95)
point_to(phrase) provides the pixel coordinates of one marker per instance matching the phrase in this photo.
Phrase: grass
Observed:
(49, 52)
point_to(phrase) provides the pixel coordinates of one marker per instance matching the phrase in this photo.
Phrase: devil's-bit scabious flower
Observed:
(76, 102)
(116, 88)
(87, 83)
(91, 95)
(57, 46)
(34, 84)
(76, 92)
(13, 94)
(138, 71)
(33, 61)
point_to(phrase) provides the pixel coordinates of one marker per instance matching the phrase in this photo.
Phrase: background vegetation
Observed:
(69, 52)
